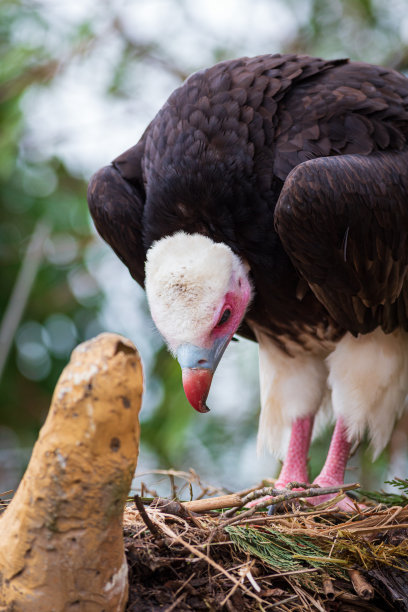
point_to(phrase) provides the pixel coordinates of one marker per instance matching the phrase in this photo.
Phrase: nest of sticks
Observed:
(213, 553)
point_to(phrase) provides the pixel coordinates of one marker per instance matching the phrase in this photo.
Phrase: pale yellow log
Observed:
(61, 542)
(213, 503)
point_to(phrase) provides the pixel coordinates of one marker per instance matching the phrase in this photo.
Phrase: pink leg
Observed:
(295, 465)
(333, 470)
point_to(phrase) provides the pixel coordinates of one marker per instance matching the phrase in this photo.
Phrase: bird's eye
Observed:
(225, 316)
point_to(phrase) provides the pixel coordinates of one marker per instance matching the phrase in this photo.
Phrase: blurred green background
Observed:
(79, 81)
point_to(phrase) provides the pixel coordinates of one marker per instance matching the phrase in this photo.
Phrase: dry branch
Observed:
(292, 560)
(278, 496)
(213, 503)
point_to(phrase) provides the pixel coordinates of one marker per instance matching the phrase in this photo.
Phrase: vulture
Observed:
(269, 198)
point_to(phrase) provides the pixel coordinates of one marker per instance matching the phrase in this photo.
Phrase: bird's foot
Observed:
(286, 483)
(345, 505)
(279, 485)
(256, 502)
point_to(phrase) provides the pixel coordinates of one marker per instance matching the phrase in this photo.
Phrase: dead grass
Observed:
(300, 558)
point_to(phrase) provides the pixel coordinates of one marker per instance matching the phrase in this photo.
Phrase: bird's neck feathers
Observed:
(187, 278)
(205, 195)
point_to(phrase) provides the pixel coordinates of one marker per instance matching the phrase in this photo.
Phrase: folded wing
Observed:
(343, 220)
(116, 201)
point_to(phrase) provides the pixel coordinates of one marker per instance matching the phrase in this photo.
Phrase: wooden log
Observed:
(213, 503)
(61, 541)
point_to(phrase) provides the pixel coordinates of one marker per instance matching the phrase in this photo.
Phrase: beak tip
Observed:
(196, 385)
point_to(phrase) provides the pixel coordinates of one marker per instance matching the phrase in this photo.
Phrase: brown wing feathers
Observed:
(344, 222)
(116, 206)
(357, 108)
(217, 154)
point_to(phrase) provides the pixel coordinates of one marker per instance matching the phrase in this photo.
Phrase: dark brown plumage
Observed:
(216, 157)
(300, 167)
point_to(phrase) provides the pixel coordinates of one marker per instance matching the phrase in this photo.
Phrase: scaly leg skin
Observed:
(333, 470)
(294, 467)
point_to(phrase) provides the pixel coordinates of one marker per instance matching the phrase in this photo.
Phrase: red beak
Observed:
(197, 383)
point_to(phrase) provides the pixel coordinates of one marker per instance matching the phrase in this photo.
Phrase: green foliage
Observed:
(389, 499)
(288, 553)
(39, 186)
(35, 188)
(363, 30)
(304, 548)
(399, 483)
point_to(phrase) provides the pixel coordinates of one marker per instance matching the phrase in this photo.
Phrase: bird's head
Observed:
(198, 291)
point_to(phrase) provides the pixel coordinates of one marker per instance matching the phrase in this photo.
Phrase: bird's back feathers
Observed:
(214, 161)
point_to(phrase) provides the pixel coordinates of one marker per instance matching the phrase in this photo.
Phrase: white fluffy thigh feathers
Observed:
(368, 378)
(364, 380)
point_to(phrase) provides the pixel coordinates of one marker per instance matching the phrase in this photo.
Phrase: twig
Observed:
(193, 519)
(363, 588)
(245, 572)
(169, 532)
(355, 528)
(173, 487)
(333, 544)
(282, 517)
(253, 488)
(328, 587)
(307, 598)
(286, 496)
(153, 528)
(388, 519)
(189, 477)
(279, 495)
(179, 599)
(176, 603)
(213, 503)
(307, 570)
(21, 290)
(283, 601)
(231, 592)
(202, 493)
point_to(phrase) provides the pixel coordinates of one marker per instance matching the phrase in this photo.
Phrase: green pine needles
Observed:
(389, 499)
(284, 552)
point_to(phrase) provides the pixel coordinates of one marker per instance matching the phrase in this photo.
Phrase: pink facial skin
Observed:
(196, 378)
(237, 302)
